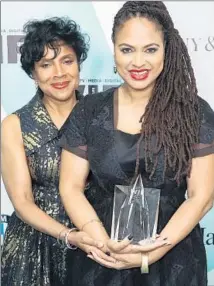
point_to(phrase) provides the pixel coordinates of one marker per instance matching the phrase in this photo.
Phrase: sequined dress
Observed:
(29, 257)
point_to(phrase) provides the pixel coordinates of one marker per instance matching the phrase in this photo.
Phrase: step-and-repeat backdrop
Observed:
(194, 20)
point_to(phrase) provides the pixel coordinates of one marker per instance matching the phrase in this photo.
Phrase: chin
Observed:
(65, 98)
(139, 85)
(62, 97)
(64, 94)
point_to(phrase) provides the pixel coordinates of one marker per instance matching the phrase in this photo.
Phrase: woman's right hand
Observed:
(125, 246)
(83, 241)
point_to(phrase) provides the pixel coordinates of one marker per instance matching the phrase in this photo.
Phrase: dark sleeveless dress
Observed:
(112, 155)
(29, 257)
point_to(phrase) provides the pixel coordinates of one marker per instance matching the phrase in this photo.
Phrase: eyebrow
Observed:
(67, 56)
(146, 46)
(62, 58)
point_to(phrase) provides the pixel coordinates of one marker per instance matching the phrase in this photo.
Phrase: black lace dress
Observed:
(112, 156)
(30, 257)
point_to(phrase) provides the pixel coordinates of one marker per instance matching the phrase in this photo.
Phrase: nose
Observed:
(59, 70)
(138, 59)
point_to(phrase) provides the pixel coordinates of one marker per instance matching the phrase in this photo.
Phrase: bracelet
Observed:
(70, 246)
(90, 221)
(144, 264)
(61, 242)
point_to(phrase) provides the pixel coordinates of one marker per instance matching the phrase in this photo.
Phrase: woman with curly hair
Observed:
(39, 235)
(155, 125)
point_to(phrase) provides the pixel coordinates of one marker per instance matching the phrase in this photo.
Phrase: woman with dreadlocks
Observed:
(156, 125)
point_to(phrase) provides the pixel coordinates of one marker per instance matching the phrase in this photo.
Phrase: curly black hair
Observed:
(40, 34)
(173, 111)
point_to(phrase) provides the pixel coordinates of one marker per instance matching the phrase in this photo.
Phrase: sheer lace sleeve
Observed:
(206, 138)
(73, 136)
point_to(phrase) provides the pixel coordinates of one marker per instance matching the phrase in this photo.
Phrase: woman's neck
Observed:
(57, 107)
(132, 96)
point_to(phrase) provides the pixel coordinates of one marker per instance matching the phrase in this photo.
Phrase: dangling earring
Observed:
(36, 84)
(115, 69)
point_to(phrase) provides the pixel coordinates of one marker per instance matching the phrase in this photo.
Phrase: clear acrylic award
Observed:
(135, 212)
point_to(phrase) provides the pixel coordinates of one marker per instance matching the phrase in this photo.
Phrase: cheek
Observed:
(74, 75)
(159, 63)
(76, 82)
(44, 76)
(120, 59)
(123, 63)
(73, 71)
(76, 79)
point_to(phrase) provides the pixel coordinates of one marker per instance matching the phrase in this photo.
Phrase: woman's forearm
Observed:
(31, 214)
(82, 214)
(180, 225)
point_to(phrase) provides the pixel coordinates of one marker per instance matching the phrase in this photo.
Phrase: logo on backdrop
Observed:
(208, 237)
(4, 221)
(199, 44)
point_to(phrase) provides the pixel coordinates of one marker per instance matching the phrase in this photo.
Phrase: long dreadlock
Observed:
(172, 113)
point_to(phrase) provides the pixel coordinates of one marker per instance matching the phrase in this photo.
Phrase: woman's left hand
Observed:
(83, 241)
(123, 261)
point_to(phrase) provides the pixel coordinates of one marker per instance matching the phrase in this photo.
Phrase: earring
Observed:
(36, 84)
(115, 69)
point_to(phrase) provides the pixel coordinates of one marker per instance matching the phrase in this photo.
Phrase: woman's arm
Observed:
(73, 175)
(199, 202)
(17, 180)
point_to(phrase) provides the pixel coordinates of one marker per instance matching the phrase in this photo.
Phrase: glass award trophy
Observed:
(135, 212)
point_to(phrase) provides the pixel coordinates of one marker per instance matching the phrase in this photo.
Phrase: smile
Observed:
(60, 85)
(139, 74)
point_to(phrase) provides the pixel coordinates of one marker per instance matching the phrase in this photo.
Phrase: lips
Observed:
(139, 74)
(60, 85)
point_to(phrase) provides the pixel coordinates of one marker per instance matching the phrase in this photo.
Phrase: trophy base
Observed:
(146, 241)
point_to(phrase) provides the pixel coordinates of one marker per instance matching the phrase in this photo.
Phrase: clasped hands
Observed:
(118, 255)
(123, 254)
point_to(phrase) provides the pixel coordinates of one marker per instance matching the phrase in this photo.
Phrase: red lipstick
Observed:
(60, 85)
(141, 74)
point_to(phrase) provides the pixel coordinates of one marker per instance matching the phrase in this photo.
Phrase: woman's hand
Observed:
(122, 261)
(125, 246)
(126, 255)
(83, 241)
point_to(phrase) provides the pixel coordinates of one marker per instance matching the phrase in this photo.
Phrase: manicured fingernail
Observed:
(166, 243)
(130, 237)
(108, 253)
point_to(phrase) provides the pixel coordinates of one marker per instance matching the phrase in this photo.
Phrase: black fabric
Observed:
(112, 154)
(206, 139)
(77, 145)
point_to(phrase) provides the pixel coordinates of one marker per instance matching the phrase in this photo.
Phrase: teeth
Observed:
(140, 73)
